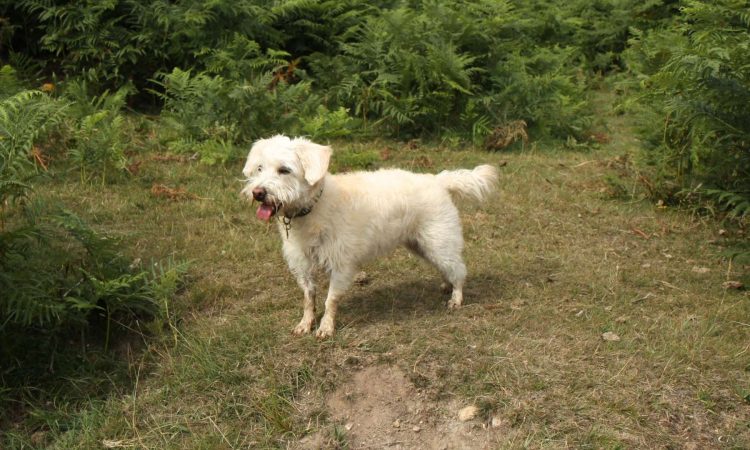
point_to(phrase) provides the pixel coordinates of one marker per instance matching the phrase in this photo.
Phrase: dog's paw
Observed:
(453, 305)
(304, 327)
(324, 331)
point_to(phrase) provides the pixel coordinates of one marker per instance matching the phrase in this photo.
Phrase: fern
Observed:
(25, 119)
(702, 93)
(736, 204)
(57, 272)
(100, 132)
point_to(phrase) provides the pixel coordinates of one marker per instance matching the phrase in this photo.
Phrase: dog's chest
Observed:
(316, 244)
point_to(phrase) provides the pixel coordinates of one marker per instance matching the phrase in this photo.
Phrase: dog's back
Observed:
(392, 184)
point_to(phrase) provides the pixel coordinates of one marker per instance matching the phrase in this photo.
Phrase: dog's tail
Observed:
(469, 184)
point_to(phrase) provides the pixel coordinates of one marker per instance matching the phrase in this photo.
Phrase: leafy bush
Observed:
(328, 124)
(25, 119)
(697, 84)
(430, 67)
(113, 42)
(597, 30)
(208, 114)
(58, 276)
(100, 133)
(399, 68)
(56, 271)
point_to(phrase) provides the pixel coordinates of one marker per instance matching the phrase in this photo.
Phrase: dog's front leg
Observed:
(340, 282)
(307, 284)
(302, 268)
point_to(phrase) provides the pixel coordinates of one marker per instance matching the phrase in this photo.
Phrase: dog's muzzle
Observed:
(267, 209)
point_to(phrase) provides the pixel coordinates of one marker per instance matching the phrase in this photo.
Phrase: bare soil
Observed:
(380, 408)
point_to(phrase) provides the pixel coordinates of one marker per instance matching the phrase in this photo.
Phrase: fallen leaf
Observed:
(160, 190)
(134, 167)
(610, 336)
(467, 413)
(732, 285)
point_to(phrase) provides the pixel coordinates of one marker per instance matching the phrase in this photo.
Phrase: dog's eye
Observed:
(284, 170)
(260, 168)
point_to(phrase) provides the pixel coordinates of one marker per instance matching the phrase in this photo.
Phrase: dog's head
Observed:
(283, 174)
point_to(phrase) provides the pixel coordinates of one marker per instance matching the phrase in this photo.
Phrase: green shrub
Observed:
(435, 68)
(229, 71)
(26, 118)
(113, 42)
(328, 124)
(697, 85)
(209, 115)
(59, 279)
(56, 271)
(100, 133)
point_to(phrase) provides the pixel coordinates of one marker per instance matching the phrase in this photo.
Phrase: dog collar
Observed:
(302, 212)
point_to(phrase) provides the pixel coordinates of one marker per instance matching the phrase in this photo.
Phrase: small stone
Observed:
(467, 413)
(416, 429)
(496, 422)
(396, 423)
(349, 426)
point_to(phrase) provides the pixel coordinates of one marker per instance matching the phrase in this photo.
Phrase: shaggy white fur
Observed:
(338, 222)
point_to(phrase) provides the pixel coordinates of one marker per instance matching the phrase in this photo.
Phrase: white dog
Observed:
(338, 222)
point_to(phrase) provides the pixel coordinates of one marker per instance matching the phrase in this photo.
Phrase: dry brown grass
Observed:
(554, 263)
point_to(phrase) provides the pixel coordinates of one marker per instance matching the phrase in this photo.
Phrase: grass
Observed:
(555, 259)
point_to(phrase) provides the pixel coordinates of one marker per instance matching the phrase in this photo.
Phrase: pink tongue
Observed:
(264, 212)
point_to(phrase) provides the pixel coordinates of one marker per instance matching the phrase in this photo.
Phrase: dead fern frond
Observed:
(505, 135)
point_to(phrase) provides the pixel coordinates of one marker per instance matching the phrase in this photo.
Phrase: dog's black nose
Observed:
(259, 194)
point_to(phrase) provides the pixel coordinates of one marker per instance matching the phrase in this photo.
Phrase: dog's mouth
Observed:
(266, 211)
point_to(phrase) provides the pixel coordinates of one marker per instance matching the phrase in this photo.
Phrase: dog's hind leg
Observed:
(441, 243)
(340, 282)
(414, 247)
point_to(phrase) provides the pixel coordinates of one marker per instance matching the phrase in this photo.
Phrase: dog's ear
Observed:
(314, 159)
